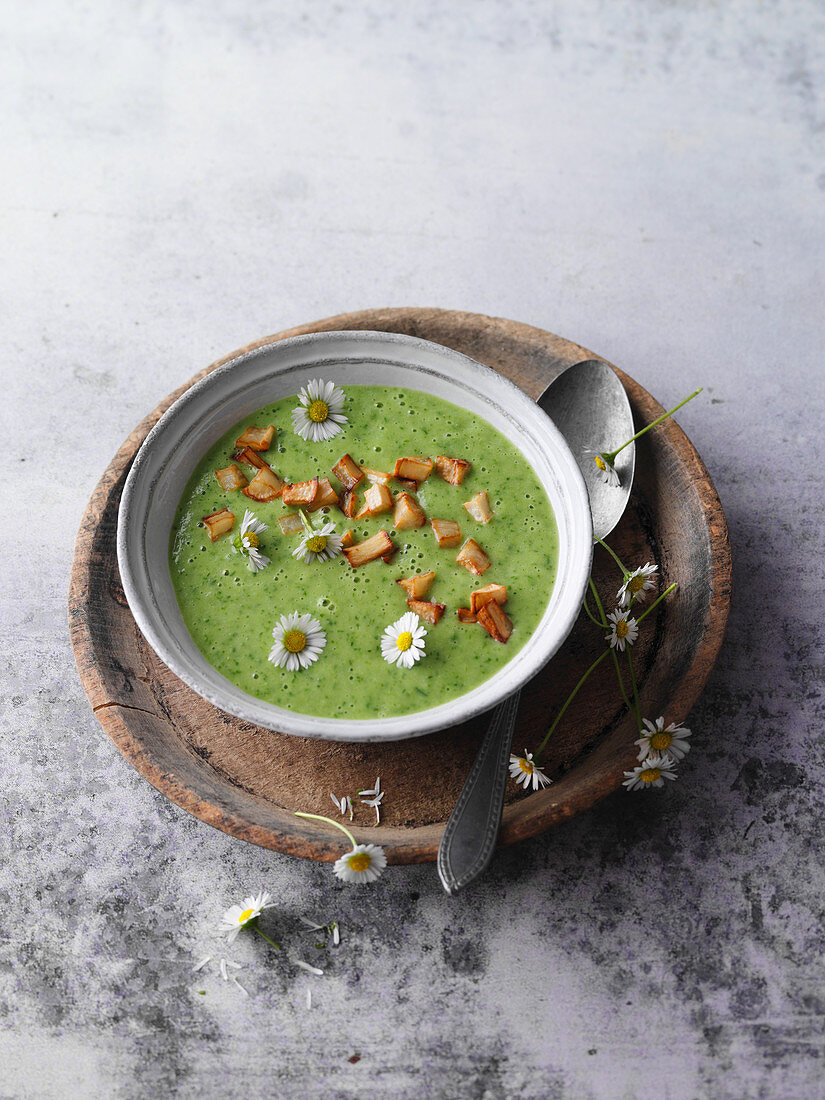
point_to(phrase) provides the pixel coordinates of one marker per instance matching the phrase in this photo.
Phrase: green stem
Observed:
(599, 604)
(590, 614)
(614, 556)
(570, 699)
(268, 940)
(655, 603)
(329, 821)
(635, 689)
(627, 702)
(610, 456)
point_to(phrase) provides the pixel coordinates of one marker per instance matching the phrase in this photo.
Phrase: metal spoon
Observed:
(589, 406)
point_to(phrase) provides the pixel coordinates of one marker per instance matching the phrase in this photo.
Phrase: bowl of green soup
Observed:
(354, 536)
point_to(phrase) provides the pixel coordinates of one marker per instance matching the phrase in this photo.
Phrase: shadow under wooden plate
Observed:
(248, 781)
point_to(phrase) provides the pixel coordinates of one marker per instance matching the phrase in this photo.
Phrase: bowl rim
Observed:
(135, 571)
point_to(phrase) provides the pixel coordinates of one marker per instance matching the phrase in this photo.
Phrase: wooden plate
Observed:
(248, 781)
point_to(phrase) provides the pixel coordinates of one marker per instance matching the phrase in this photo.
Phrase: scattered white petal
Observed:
(200, 965)
(623, 630)
(309, 925)
(637, 584)
(299, 641)
(309, 998)
(238, 984)
(526, 772)
(402, 643)
(336, 935)
(235, 966)
(224, 974)
(306, 966)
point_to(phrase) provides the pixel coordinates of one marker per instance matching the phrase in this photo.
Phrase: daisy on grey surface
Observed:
(246, 541)
(637, 584)
(343, 805)
(364, 863)
(659, 739)
(526, 772)
(605, 470)
(402, 643)
(319, 415)
(237, 917)
(374, 798)
(299, 641)
(317, 545)
(651, 773)
(623, 629)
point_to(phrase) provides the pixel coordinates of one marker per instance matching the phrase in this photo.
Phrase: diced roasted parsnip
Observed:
(473, 558)
(447, 532)
(452, 469)
(376, 477)
(363, 512)
(259, 439)
(429, 612)
(349, 503)
(325, 497)
(231, 477)
(250, 458)
(377, 499)
(408, 512)
(301, 493)
(417, 586)
(389, 555)
(479, 507)
(407, 485)
(374, 547)
(481, 596)
(265, 485)
(495, 621)
(348, 472)
(413, 467)
(465, 615)
(219, 523)
(347, 539)
(290, 524)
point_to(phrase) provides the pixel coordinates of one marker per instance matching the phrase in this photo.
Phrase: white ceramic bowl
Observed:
(256, 378)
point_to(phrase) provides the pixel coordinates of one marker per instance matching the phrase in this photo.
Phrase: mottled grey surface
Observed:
(647, 178)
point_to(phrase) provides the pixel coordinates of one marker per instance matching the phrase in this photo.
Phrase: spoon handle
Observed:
(469, 839)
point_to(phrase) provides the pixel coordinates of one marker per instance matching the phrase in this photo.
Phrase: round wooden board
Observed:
(248, 781)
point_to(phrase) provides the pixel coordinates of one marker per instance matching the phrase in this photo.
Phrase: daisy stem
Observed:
(611, 455)
(599, 604)
(268, 940)
(614, 556)
(635, 689)
(589, 613)
(603, 624)
(657, 601)
(569, 700)
(329, 821)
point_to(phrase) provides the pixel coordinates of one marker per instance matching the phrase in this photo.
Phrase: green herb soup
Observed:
(231, 611)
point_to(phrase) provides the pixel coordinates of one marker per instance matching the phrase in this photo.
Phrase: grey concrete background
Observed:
(647, 178)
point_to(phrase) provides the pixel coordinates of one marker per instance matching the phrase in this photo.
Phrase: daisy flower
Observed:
(365, 863)
(321, 545)
(237, 916)
(403, 642)
(319, 415)
(299, 640)
(623, 630)
(525, 772)
(246, 541)
(605, 470)
(636, 584)
(652, 773)
(659, 738)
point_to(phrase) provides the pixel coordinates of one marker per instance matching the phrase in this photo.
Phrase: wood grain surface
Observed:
(249, 781)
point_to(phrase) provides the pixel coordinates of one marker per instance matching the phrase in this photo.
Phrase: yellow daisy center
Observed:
(622, 628)
(525, 765)
(404, 640)
(636, 584)
(251, 539)
(650, 775)
(245, 915)
(317, 543)
(294, 641)
(360, 861)
(600, 462)
(318, 411)
(660, 741)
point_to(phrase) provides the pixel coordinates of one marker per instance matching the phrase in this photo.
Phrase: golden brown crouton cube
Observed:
(377, 499)
(495, 621)
(417, 586)
(265, 485)
(481, 596)
(349, 503)
(429, 612)
(473, 558)
(408, 512)
(479, 507)
(347, 539)
(465, 615)
(374, 547)
(250, 458)
(348, 472)
(407, 485)
(219, 523)
(414, 468)
(259, 439)
(388, 555)
(231, 477)
(452, 469)
(376, 477)
(301, 493)
(447, 532)
(325, 497)
(290, 524)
